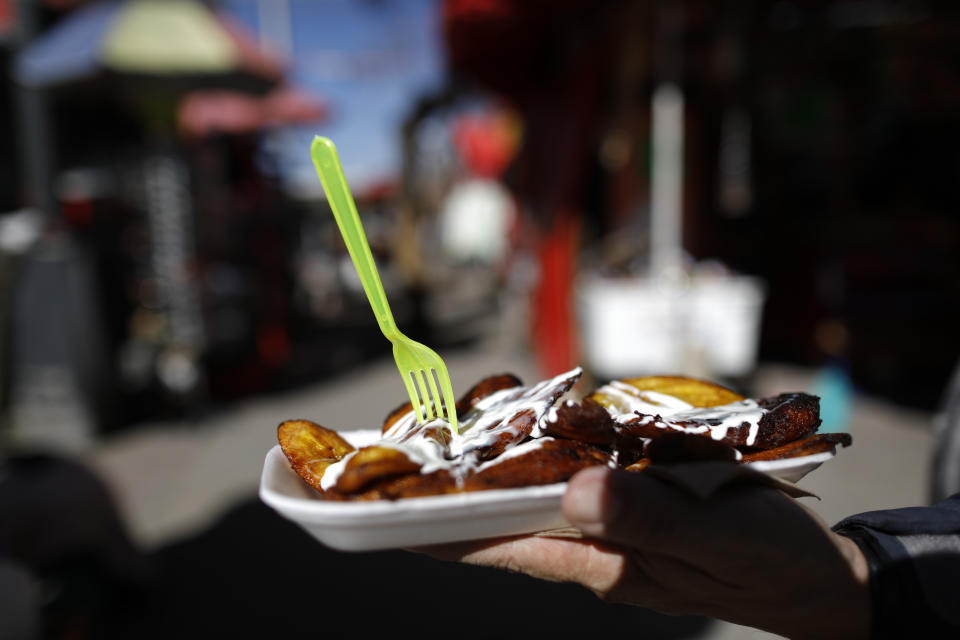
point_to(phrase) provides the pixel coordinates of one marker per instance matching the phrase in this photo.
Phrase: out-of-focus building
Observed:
(817, 142)
(811, 152)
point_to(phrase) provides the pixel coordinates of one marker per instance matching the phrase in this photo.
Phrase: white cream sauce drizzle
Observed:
(479, 428)
(628, 402)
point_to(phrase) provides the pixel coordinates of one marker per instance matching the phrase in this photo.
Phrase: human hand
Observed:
(748, 554)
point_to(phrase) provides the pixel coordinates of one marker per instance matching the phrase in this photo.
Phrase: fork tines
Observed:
(428, 403)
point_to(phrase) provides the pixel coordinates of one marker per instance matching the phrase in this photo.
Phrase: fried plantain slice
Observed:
(659, 405)
(511, 431)
(411, 485)
(373, 463)
(550, 462)
(695, 392)
(513, 419)
(311, 448)
(586, 421)
(805, 447)
(789, 417)
(786, 417)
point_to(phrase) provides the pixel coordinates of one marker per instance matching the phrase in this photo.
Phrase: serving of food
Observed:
(514, 436)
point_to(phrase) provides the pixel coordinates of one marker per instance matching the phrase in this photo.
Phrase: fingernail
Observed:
(586, 503)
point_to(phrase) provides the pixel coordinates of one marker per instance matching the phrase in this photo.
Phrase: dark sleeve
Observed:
(914, 558)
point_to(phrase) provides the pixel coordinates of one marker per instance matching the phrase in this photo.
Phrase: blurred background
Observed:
(762, 193)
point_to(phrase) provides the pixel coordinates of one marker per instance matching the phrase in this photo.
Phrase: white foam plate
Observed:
(411, 522)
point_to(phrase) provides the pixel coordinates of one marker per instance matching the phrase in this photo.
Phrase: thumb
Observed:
(630, 509)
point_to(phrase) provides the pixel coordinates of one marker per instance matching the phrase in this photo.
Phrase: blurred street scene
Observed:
(760, 193)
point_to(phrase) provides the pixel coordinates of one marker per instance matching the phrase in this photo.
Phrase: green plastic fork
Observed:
(419, 365)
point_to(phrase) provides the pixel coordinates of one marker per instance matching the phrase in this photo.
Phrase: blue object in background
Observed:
(832, 383)
(369, 61)
(70, 50)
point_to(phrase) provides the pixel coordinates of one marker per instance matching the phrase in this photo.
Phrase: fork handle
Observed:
(327, 162)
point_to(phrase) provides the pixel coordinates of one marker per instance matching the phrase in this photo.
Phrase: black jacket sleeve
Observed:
(914, 558)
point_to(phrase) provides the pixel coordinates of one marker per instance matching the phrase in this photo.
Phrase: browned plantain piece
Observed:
(373, 463)
(417, 485)
(553, 461)
(487, 386)
(643, 428)
(805, 447)
(411, 485)
(587, 421)
(518, 427)
(790, 416)
(521, 424)
(676, 447)
(311, 448)
(638, 430)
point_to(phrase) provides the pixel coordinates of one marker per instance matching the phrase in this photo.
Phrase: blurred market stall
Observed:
(135, 100)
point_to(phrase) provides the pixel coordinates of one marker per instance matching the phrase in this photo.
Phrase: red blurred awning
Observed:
(8, 17)
(206, 113)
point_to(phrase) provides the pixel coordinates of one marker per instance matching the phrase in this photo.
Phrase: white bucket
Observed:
(635, 326)
(725, 316)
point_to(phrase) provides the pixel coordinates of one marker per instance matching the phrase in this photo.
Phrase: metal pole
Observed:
(35, 146)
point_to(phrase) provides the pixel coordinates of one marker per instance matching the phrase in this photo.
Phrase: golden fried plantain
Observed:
(373, 463)
(311, 448)
(698, 393)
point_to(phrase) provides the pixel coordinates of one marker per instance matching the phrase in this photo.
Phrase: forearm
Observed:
(839, 607)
